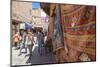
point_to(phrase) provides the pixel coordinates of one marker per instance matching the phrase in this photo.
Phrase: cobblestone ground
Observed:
(36, 58)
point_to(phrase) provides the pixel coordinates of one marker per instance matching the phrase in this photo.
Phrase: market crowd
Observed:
(24, 40)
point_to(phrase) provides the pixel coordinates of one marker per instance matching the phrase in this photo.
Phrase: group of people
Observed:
(25, 40)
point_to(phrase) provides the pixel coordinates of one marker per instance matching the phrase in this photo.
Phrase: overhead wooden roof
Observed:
(46, 7)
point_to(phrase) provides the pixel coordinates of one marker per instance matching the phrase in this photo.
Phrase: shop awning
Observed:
(28, 26)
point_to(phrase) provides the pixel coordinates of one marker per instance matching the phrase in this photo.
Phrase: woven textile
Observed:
(79, 28)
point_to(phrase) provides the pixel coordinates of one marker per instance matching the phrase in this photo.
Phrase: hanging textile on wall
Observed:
(57, 32)
(78, 23)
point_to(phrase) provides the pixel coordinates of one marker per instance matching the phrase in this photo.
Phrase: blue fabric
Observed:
(28, 26)
(57, 28)
(57, 34)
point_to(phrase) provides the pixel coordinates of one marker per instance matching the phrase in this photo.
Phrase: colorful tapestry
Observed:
(79, 31)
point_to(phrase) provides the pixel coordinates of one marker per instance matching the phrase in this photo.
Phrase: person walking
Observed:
(40, 42)
(22, 43)
(29, 41)
(16, 39)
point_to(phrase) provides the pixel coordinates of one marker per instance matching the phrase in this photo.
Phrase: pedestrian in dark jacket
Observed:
(40, 42)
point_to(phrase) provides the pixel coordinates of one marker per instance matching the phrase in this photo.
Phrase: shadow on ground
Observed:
(41, 59)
